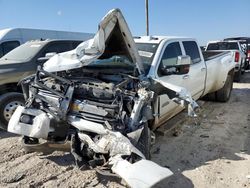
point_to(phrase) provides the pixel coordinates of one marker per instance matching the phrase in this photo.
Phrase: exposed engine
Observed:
(84, 106)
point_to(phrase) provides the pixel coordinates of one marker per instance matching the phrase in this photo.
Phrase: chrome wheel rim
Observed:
(10, 109)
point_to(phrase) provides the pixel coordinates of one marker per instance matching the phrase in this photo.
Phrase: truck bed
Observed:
(208, 55)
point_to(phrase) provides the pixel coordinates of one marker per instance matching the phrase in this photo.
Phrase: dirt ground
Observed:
(213, 151)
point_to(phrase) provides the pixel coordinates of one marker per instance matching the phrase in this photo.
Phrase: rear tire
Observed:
(243, 69)
(237, 76)
(8, 104)
(210, 97)
(223, 95)
(247, 66)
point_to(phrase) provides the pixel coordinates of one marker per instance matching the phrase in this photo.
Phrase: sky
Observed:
(202, 19)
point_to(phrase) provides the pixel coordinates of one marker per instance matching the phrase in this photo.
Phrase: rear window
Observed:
(223, 46)
(192, 50)
(76, 43)
(1, 50)
(24, 52)
(6, 47)
(56, 47)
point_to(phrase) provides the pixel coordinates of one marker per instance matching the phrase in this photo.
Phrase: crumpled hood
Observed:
(112, 38)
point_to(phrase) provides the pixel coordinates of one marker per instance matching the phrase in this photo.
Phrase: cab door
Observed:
(166, 107)
(195, 79)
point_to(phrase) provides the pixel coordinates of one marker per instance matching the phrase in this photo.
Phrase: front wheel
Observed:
(144, 142)
(223, 95)
(8, 104)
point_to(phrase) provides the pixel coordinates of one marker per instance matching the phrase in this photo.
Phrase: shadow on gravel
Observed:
(106, 179)
(62, 160)
(68, 160)
(5, 134)
(186, 158)
(177, 180)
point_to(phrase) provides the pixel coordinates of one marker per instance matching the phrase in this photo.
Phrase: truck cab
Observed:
(160, 53)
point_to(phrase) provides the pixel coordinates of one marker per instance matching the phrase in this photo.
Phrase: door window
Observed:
(8, 46)
(1, 50)
(170, 56)
(76, 43)
(192, 50)
(57, 48)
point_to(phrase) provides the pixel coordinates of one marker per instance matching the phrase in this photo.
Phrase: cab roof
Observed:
(223, 41)
(40, 41)
(157, 39)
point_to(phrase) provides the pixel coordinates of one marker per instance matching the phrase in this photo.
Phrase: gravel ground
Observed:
(213, 151)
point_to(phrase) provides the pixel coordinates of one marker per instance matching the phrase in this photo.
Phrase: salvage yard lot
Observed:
(213, 151)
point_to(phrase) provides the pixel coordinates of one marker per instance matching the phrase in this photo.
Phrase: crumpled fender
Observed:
(182, 96)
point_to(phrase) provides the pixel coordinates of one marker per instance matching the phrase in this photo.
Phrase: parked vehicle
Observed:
(203, 48)
(236, 48)
(245, 43)
(20, 63)
(105, 95)
(14, 37)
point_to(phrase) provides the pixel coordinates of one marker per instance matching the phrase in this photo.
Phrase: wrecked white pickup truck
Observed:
(104, 96)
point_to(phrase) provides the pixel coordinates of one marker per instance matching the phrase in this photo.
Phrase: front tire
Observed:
(8, 104)
(144, 142)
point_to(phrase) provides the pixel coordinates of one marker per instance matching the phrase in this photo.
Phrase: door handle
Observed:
(185, 77)
(203, 69)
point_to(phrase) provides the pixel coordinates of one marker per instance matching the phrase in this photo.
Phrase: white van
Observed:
(13, 37)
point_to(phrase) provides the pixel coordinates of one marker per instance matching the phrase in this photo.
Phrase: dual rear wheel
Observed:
(223, 94)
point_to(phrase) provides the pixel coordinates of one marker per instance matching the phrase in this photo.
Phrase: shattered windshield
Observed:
(114, 62)
(147, 53)
(24, 52)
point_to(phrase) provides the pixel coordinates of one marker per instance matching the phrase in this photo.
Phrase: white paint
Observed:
(142, 174)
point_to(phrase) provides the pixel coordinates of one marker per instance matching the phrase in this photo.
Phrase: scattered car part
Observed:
(141, 174)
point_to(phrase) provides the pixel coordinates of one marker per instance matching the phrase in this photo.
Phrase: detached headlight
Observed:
(27, 119)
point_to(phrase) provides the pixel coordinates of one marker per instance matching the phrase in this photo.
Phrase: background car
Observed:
(20, 63)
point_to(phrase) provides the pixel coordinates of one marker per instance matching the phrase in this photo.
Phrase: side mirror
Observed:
(50, 54)
(47, 57)
(179, 66)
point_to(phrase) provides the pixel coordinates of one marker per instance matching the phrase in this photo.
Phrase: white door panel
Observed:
(196, 80)
(197, 72)
(167, 106)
